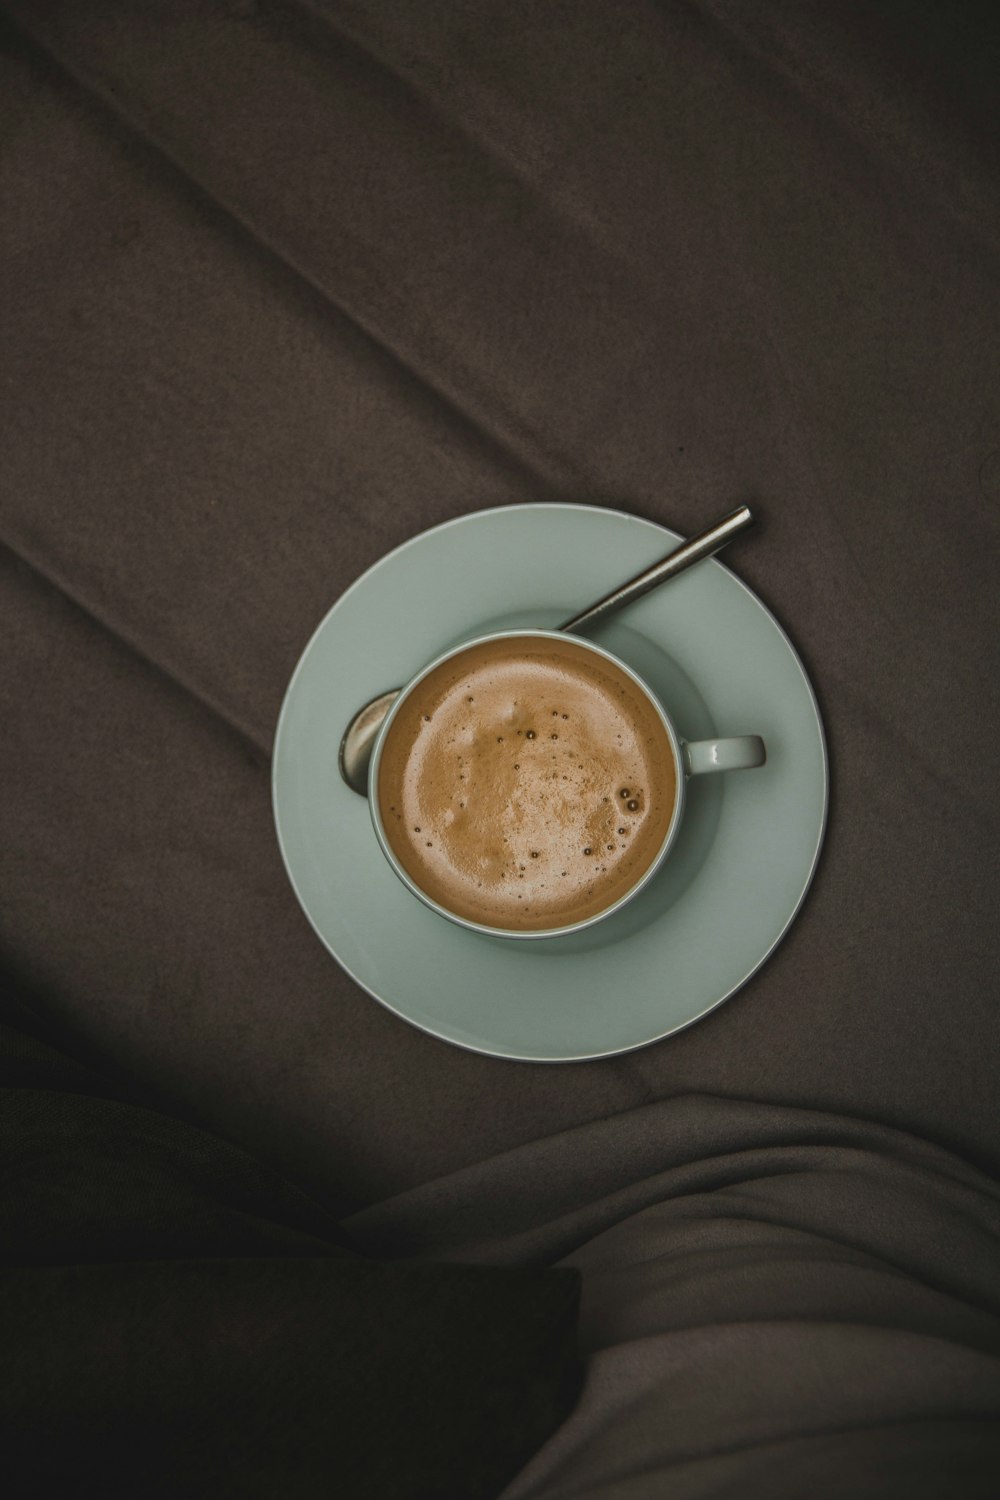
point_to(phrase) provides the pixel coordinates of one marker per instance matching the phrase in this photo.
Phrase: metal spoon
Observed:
(361, 732)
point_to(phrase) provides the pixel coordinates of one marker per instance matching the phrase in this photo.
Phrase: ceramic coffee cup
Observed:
(689, 758)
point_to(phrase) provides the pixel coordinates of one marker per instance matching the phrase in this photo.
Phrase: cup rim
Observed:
(512, 932)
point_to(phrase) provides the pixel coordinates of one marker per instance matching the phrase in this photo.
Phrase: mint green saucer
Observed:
(747, 850)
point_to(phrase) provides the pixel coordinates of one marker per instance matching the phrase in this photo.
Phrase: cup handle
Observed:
(741, 753)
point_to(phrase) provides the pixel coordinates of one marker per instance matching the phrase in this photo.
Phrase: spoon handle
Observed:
(702, 545)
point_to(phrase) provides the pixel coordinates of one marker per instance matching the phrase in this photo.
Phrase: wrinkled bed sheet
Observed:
(285, 283)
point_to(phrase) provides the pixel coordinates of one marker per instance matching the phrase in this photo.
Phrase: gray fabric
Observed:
(284, 283)
(697, 280)
(776, 1301)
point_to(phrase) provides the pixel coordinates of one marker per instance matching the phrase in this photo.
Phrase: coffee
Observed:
(526, 783)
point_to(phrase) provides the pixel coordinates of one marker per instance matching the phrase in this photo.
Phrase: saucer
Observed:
(744, 858)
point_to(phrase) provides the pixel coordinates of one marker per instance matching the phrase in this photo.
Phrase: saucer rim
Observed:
(440, 1033)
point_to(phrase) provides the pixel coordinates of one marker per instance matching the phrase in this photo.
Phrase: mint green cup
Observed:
(691, 758)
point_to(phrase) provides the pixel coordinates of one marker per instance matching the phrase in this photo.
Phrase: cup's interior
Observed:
(526, 784)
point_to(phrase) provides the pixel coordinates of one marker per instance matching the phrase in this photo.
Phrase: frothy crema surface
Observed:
(526, 783)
